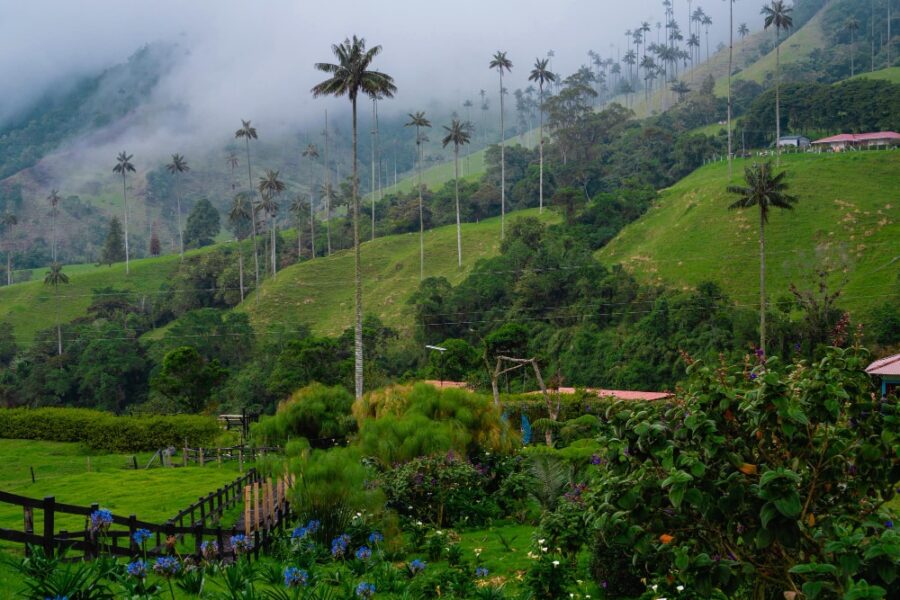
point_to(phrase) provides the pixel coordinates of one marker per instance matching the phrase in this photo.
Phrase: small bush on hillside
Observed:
(104, 431)
(318, 413)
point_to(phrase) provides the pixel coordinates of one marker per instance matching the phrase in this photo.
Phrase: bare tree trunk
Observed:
(253, 219)
(730, 70)
(125, 209)
(502, 164)
(458, 225)
(241, 268)
(762, 283)
(357, 341)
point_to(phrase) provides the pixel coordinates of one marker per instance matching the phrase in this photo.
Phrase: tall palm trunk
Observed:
(730, 69)
(372, 191)
(58, 326)
(357, 337)
(253, 219)
(53, 233)
(180, 230)
(9, 265)
(541, 147)
(241, 268)
(327, 192)
(312, 227)
(777, 99)
(852, 52)
(762, 282)
(125, 208)
(502, 165)
(272, 243)
(421, 206)
(458, 225)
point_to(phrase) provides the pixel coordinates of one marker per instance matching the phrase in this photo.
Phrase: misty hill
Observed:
(845, 221)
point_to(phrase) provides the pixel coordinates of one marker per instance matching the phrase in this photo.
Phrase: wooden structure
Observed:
(888, 369)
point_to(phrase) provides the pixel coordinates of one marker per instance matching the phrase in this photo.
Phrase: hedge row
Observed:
(105, 431)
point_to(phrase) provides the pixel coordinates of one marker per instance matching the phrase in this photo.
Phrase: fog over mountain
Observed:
(242, 59)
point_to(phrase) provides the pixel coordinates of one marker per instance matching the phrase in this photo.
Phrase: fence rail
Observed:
(265, 508)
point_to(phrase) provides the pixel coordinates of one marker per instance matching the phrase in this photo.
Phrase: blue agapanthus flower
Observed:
(141, 535)
(313, 526)
(339, 546)
(417, 566)
(137, 569)
(294, 577)
(101, 519)
(166, 566)
(481, 572)
(209, 549)
(365, 590)
(241, 543)
(375, 537)
(363, 553)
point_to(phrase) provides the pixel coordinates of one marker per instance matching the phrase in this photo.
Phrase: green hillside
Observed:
(892, 74)
(846, 217)
(319, 293)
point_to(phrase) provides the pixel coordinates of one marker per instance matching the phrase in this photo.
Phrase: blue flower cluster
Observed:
(209, 550)
(101, 519)
(375, 537)
(363, 553)
(294, 577)
(241, 543)
(481, 572)
(166, 566)
(310, 528)
(417, 566)
(365, 590)
(137, 569)
(339, 545)
(141, 535)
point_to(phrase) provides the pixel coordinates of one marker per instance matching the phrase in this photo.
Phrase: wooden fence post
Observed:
(28, 517)
(256, 505)
(184, 457)
(246, 510)
(132, 527)
(241, 461)
(219, 456)
(201, 456)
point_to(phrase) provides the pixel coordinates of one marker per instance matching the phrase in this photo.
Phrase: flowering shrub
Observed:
(241, 544)
(339, 546)
(789, 471)
(101, 519)
(294, 577)
(166, 566)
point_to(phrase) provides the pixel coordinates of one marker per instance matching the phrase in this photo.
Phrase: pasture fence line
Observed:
(266, 509)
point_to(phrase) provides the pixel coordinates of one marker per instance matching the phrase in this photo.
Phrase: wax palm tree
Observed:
(766, 190)
(541, 74)
(56, 277)
(419, 121)
(681, 89)
(232, 161)
(241, 212)
(247, 132)
(348, 77)
(298, 209)
(54, 199)
(8, 221)
(502, 63)
(177, 167)
(270, 187)
(124, 167)
(852, 26)
(779, 16)
(743, 30)
(706, 21)
(729, 105)
(458, 135)
(312, 153)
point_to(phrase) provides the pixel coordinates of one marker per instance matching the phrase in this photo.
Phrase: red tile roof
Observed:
(886, 366)
(852, 138)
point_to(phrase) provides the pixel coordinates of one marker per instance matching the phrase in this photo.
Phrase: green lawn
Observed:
(61, 470)
(846, 216)
(319, 293)
(892, 74)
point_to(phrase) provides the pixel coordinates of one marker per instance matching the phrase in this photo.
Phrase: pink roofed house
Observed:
(888, 369)
(846, 141)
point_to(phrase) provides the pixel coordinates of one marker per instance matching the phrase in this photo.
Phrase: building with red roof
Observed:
(846, 141)
(888, 369)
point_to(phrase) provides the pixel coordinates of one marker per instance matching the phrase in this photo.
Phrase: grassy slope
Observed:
(892, 74)
(31, 306)
(847, 211)
(319, 293)
(61, 471)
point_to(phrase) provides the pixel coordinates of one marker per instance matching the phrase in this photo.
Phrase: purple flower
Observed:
(363, 553)
(137, 569)
(889, 524)
(753, 376)
(209, 550)
(596, 459)
(481, 572)
(140, 536)
(294, 577)
(365, 590)
(339, 546)
(416, 566)
(241, 543)
(166, 566)
(101, 519)
(375, 537)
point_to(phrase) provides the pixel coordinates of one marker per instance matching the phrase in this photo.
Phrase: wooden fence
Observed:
(265, 509)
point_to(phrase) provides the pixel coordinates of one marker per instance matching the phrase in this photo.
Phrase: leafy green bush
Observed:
(442, 490)
(317, 412)
(104, 431)
(790, 466)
